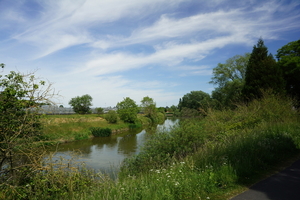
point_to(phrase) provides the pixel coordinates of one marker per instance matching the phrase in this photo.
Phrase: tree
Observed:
(20, 98)
(149, 108)
(195, 100)
(111, 117)
(127, 110)
(289, 61)
(229, 79)
(262, 73)
(81, 105)
(99, 110)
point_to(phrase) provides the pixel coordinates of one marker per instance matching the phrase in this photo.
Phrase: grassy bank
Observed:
(212, 158)
(66, 128)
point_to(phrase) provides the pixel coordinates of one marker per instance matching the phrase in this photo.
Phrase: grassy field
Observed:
(212, 158)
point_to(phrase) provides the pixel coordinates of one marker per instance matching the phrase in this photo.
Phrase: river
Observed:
(105, 154)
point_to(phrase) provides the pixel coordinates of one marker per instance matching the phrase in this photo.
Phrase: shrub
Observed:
(100, 132)
(111, 117)
(81, 135)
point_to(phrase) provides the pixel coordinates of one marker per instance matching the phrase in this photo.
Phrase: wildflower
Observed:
(176, 183)
(207, 198)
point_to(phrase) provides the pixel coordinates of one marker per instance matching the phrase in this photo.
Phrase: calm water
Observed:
(106, 153)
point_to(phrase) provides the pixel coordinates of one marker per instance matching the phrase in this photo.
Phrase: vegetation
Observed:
(195, 101)
(201, 158)
(20, 97)
(81, 105)
(65, 128)
(229, 79)
(127, 110)
(101, 132)
(111, 117)
(289, 62)
(262, 73)
(99, 111)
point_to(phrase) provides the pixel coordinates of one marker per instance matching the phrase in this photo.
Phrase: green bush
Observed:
(100, 132)
(111, 117)
(81, 136)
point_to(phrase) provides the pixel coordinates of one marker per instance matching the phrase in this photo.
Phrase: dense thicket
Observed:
(289, 61)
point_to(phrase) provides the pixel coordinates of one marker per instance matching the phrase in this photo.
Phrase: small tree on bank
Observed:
(149, 108)
(127, 110)
(111, 117)
(81, 105)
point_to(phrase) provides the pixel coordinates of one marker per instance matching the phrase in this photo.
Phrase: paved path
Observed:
(284, 185)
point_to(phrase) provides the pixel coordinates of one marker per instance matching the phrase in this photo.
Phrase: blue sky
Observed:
(111, 49)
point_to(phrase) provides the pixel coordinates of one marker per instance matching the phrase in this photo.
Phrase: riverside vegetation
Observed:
(223, 147)
(205, 158)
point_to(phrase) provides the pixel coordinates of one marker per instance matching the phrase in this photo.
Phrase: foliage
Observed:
(229, 79)
(20, 97)
(66, 128)
(81, 135)
(197, 100)
(149, 109)
(100, 132)
(189, 112)
(161, 109)
(111, 117)
(270, 108)
(289, 61)
(99, 110)
(262, 73)
(162, 146)
(127, 110)
(189, 162)
(81, 105)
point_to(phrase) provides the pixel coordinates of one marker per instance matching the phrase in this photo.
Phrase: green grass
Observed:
(62, 128)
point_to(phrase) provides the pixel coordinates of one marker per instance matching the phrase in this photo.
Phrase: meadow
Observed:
(215, 157)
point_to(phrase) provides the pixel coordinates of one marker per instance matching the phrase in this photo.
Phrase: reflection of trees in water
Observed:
(83, 146)
(128, 144)
(99, 142)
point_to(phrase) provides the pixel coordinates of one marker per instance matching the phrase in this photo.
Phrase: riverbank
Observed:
(68, 128)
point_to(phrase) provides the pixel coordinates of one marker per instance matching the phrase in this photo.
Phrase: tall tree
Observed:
(289, 61)
(262, 73)
(81, 105)
(229, 79)
(127, 110)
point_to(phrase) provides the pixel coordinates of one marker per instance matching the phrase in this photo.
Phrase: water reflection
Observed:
(107, 153)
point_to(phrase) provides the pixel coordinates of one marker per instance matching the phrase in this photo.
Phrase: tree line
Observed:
(127, 109)
(243, 78)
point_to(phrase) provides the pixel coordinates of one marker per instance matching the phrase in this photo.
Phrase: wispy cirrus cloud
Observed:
(91, 43)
